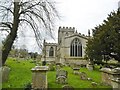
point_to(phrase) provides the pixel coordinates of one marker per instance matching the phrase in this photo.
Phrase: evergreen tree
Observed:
(105, 42)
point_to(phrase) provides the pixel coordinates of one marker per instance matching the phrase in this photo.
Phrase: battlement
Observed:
(66, 28)
(51, 44)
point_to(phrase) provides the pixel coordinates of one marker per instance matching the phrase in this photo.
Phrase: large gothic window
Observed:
(51, 52)
(76, 48)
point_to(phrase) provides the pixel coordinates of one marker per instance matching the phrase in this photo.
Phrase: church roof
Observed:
(77, 34)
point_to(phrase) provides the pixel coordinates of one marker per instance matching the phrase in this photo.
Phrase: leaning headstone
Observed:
(5, 73)
(83, 76)
(39, 77)
(67, 87)
(61, 76)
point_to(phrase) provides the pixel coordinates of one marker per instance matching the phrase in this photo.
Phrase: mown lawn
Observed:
(20, 73)
(20, 76)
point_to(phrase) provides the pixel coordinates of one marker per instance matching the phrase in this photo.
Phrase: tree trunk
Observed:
(12, 35)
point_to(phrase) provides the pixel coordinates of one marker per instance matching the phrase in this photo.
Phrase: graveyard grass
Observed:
(21, 75)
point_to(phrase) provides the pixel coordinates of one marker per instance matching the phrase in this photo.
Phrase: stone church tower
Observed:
(70, 47)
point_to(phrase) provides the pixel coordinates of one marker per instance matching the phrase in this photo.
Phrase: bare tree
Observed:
(36, 14)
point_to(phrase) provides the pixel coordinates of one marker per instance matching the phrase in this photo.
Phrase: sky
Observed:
(81, 14)
(84, 14)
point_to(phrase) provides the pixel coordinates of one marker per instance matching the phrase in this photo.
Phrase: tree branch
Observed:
(8, 9)
(6, 24)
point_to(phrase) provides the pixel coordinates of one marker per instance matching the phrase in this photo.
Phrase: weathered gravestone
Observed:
(39, 77)
(61, 76)
(76, 69)
(115, 81)
(111, 76)
(83, 76)
(5, 73)
(67, 87)
(106, 75)
(76, 72)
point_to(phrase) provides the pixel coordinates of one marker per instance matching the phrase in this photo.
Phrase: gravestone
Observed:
(106, 75)
(76, 69)
(5, 73)
(115, 81)
(61, 76)
(90, 67)
(83, 76)
(94, 84)
(39, 77)
(76, 72)
(67, 87)
(109, 76)
(61, 80)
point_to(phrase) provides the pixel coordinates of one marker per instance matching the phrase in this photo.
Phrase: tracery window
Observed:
(76, 48)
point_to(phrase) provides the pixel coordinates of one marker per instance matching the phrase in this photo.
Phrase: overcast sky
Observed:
(81, 14)
(84, 14)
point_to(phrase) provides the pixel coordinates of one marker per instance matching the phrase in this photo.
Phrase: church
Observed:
(70, 47)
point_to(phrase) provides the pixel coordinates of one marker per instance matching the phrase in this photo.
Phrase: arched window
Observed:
(51, 51)
(76, 48)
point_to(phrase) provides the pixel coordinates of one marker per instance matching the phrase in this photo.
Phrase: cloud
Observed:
(84, 14)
